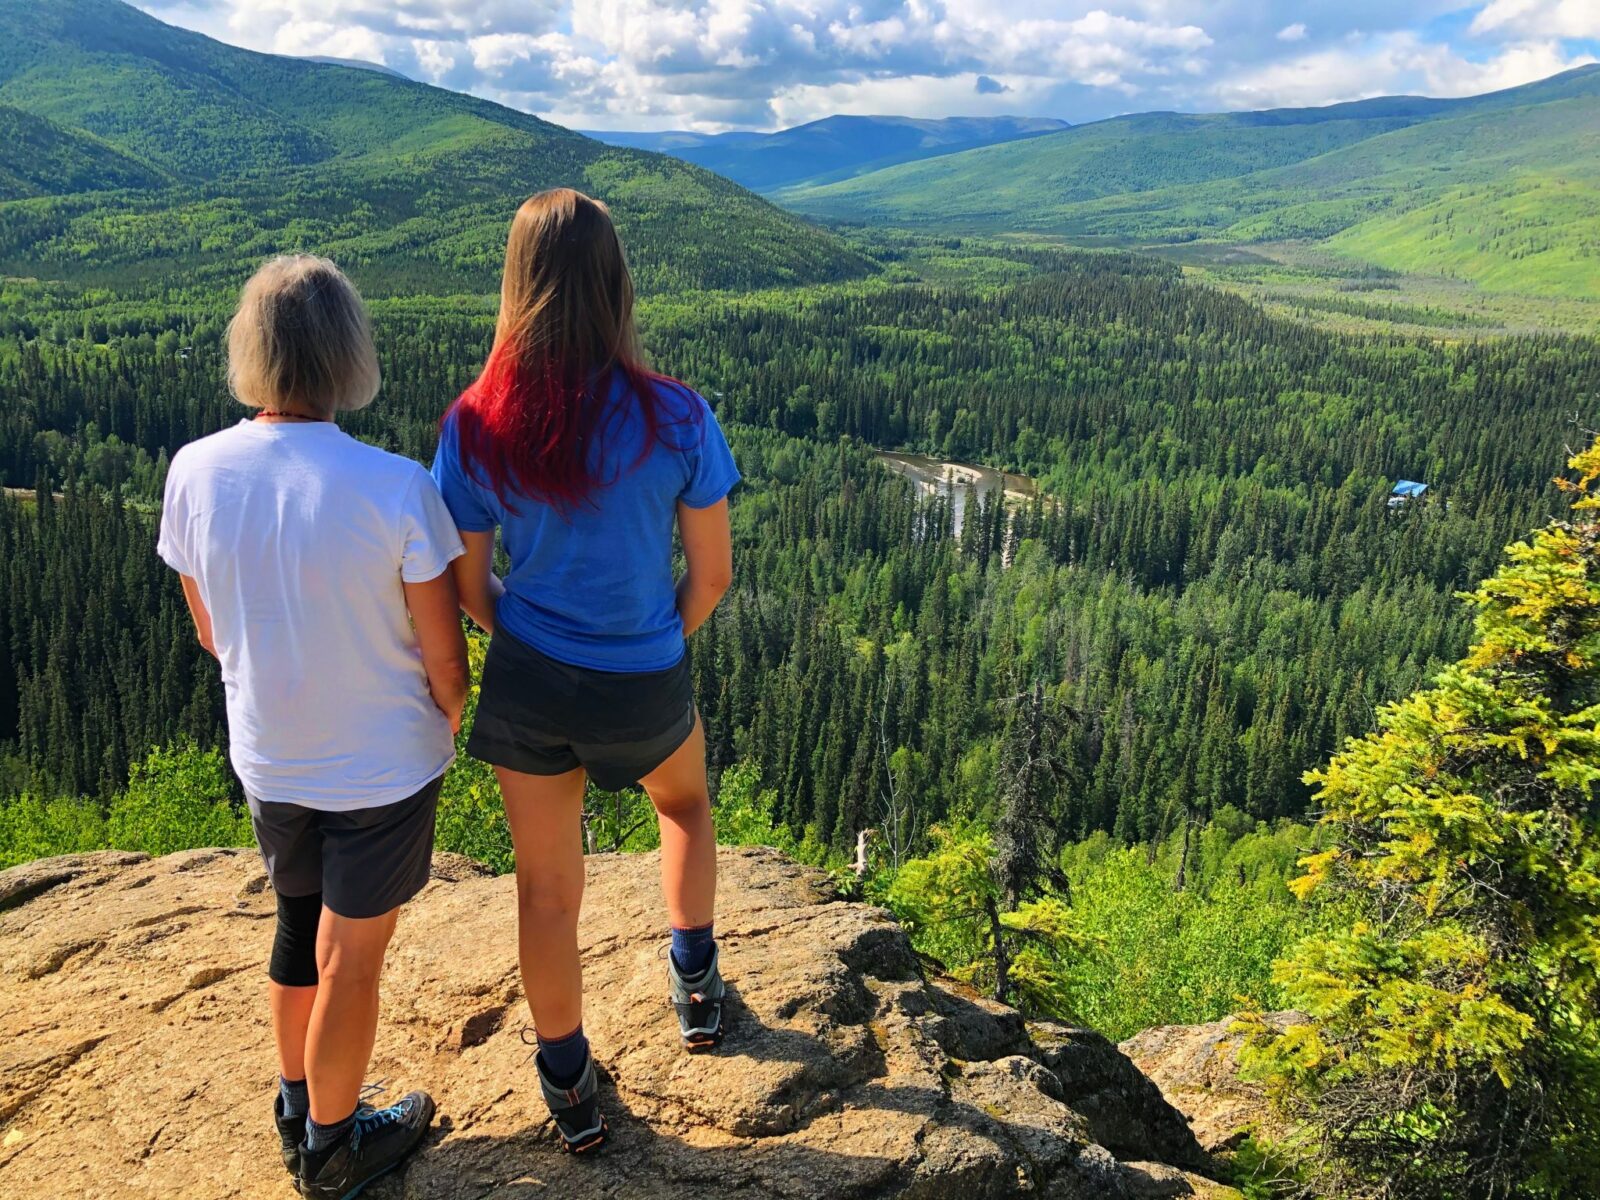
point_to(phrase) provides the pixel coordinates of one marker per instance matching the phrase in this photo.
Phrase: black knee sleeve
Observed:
(294, 950)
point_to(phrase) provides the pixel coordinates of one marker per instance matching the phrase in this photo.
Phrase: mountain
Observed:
(247, 154)
(832, 148)
(41, 158)
(1499, 189)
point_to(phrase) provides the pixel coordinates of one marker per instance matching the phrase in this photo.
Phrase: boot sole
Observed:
(702, 1045)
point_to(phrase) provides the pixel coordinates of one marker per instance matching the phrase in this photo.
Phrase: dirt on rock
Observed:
(137, 1057)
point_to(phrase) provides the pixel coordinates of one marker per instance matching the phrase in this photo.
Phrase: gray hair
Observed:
(301, 337)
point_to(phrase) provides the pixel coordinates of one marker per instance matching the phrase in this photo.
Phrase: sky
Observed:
(713, 65)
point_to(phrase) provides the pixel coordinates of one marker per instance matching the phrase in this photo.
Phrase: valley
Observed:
(1068, 586)
(1496, 191)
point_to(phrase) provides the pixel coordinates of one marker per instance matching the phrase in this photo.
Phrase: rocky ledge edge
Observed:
(137, 1055)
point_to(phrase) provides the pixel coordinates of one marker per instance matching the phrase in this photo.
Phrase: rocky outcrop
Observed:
(1197, 1069)
(138, 1061)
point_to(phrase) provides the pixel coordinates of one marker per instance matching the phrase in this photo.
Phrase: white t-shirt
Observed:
(299, 537)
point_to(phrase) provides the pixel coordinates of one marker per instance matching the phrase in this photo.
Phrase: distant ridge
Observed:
(832, 148)
(1501, 189)
(359, 64)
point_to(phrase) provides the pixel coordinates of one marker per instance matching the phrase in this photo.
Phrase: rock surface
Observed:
(138, 1060)
(1197, 1069)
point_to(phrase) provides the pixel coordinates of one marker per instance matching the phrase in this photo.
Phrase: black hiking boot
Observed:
(291, 1132)
(377, 1143)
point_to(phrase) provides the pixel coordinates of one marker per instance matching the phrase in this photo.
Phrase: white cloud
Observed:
(710, 64)
(1389, 65)
(1539, 18)
(909, 96)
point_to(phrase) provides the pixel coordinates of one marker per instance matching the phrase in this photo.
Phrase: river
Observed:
(934, 477)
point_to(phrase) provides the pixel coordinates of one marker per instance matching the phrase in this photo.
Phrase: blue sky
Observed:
(765, 64)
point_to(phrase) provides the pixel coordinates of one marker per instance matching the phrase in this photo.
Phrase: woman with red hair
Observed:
(586, 462)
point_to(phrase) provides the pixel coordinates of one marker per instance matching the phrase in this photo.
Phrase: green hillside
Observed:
(1000, 186)
(1492, 189)
(42, 158)
(1534, 234)
(411, 185)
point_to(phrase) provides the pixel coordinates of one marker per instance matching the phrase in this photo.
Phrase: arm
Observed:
(437, 619)
(479, 586)
(197, 610)
(708, 553)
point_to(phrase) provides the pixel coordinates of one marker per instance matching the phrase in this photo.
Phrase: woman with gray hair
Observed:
(318, 572)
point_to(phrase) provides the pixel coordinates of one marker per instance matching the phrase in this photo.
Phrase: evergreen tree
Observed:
(1454, 1046)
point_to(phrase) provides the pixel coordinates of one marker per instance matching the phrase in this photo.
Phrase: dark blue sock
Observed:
(691, 950)
(296, 1099)
(320, 1137)
(563, 1057)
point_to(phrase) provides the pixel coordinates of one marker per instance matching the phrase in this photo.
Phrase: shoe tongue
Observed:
(697, 981)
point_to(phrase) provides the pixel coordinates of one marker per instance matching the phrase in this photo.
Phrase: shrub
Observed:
(32, 828)
(179, 798)
(1167, 955)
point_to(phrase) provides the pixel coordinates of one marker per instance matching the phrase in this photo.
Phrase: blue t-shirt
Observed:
(593, 586)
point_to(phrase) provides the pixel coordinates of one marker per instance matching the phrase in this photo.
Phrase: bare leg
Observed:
(291, 1016)
(344, 1017)
(682, 799)
(546, 817)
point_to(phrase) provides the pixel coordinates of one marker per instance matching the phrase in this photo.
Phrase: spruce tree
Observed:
(1454, 1045)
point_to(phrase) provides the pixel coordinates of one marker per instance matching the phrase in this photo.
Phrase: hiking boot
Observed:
(576, 1109)
(698, 1001)
(377, 1143)
(291, 1132)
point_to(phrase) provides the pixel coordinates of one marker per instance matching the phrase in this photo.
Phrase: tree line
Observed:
(1211, 583)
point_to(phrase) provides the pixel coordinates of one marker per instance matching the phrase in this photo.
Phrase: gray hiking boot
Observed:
(576, 1109)
(698, 1000)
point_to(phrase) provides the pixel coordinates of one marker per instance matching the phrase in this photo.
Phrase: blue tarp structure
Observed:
(1408, 489)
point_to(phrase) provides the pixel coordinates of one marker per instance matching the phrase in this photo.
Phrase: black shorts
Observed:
(543, 717)
(364, 861)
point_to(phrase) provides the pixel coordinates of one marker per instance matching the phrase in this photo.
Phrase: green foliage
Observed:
(178, 798)
(471, 818)
(1121, 948)
(32, 828)
(950, 903)
(744, 811)
(1499, 189)
(1527, 235)
(1168, 955)
(42, 158)
(1454, 1047)
(942, 899)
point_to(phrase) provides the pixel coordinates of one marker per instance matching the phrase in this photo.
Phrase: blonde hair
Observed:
(301, 337)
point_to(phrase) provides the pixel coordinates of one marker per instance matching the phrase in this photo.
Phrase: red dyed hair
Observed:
(533, 423)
